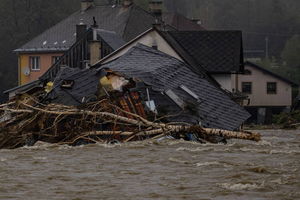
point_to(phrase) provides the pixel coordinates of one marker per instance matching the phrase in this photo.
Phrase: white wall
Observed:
(150, 39)
(259, 96)
(224, 80)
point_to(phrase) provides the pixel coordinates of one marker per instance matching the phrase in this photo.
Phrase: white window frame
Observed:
(35, 63)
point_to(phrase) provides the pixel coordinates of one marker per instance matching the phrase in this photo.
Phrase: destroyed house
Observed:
(123, 18)
(187, 96)
(219, 54)
(174, 89)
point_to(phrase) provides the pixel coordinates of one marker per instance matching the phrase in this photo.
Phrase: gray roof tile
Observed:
(164, 72)
(116, 19)
(215, 51)
(111, 38)
(127, 23)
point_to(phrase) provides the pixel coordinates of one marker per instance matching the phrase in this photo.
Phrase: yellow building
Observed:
(33, 65)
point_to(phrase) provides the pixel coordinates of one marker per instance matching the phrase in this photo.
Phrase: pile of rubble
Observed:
(27, 120)
(143, 94)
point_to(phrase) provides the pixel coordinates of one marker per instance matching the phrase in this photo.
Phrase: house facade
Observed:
(32, 65)
(268, 92)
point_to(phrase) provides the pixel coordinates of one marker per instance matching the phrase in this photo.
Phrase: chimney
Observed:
(95, 47)
(127, 3)
(80, 30)
(86, 4)
(156, 7)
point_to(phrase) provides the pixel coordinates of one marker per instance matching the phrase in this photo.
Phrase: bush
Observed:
(287, 118)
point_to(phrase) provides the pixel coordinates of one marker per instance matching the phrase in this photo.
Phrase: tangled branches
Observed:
(27, 121)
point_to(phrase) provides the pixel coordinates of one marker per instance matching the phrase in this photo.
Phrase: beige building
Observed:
(268, 92)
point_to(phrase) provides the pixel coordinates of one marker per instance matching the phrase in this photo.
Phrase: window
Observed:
(247, 87)
(175, 98)
(247, 72)
(271, 87)
(55, 59)
(190, 92)
(34, 62)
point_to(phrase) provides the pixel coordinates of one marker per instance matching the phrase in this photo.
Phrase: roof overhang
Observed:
(41, 50)
(247, 63)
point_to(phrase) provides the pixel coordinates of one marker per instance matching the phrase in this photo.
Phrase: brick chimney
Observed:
(156, 7)
(86, 4)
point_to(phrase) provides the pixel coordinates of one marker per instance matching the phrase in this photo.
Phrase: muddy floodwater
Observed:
(165, 169)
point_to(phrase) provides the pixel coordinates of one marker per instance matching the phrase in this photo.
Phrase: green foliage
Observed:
(287, 118)
(275, 66)
(291, 52)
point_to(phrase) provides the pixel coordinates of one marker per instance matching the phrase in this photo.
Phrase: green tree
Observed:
(291, 52)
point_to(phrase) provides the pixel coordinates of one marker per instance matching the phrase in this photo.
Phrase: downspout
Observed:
(19, 69)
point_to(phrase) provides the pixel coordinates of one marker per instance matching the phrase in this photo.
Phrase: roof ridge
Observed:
(135, 6)
(127, 21)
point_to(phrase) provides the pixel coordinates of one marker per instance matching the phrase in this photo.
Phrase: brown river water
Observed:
(167, 169)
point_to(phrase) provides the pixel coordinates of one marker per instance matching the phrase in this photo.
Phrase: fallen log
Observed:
(92, 123)
(232, 134)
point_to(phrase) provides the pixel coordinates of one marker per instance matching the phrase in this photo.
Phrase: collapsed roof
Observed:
(173, 78)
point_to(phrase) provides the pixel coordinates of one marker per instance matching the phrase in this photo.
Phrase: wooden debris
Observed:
(99, 121)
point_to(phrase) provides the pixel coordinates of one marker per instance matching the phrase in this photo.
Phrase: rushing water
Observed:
(166, 169)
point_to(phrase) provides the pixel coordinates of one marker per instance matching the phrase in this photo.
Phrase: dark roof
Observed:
(126, 22)
(84, 88)
(24, 88)
(180, 22)
(164, 72)
(247, 63)
(215, 51)
(111, 38)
